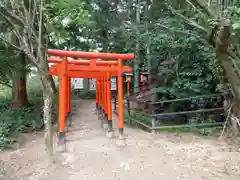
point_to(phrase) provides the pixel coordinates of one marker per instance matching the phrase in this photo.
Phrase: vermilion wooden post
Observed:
(99, 98)
(68, 110)
(101, 95)
(63, 86)
(105, 101)
(109, 102)
(120, 99)
(102, 84)
(97, 90)
(70, 94)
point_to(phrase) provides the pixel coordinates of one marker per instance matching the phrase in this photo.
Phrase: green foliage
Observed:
(195, 71)
(6, 63)
(11, 61)
(14, 121)
(67, 23)
(17, 120)
(236, 15)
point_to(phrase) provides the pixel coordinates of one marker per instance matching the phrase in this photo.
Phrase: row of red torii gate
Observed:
(101, 66)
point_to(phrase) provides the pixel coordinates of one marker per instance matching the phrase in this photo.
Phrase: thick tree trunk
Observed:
(236, 112)
(222, 44)
(235, 84)
(19, 90)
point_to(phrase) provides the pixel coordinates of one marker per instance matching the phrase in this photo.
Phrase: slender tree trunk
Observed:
(148, 45)
(54, 94)
(48, 97)
(155, 9)
(19, 90)
(136, 62)
(53, 85)
(49, 101)
(104, 28)
(47, 83)
(104, 33)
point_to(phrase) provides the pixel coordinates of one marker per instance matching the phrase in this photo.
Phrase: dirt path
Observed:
(91, 156)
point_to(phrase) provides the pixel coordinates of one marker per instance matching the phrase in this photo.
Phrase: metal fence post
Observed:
(153, 124)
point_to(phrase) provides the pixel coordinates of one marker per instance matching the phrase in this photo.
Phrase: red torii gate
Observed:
(110, 65)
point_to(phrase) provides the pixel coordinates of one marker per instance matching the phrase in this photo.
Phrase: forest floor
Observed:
(92, 156)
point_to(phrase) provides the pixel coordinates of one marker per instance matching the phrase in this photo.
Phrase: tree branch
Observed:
(182, 32)
(204, 5)
(188, 21)
(40, 28)
(194, 7)
(11, 44)
(13, 18)
(31, 57)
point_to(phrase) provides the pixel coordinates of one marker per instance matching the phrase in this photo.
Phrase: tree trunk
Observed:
(55, 99)
(104, 28)
(48, 97)
(236, 112)
(19, 90)
(136, 62)
(235, 83)
(148, 45)
(53, 85)
(155, 9)
(49, 103)
(47, 85)
(222, 44)
(104, 34)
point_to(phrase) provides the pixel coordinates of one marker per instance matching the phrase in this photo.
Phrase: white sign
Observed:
(77, 83)
(113, 84)
(92, 84)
